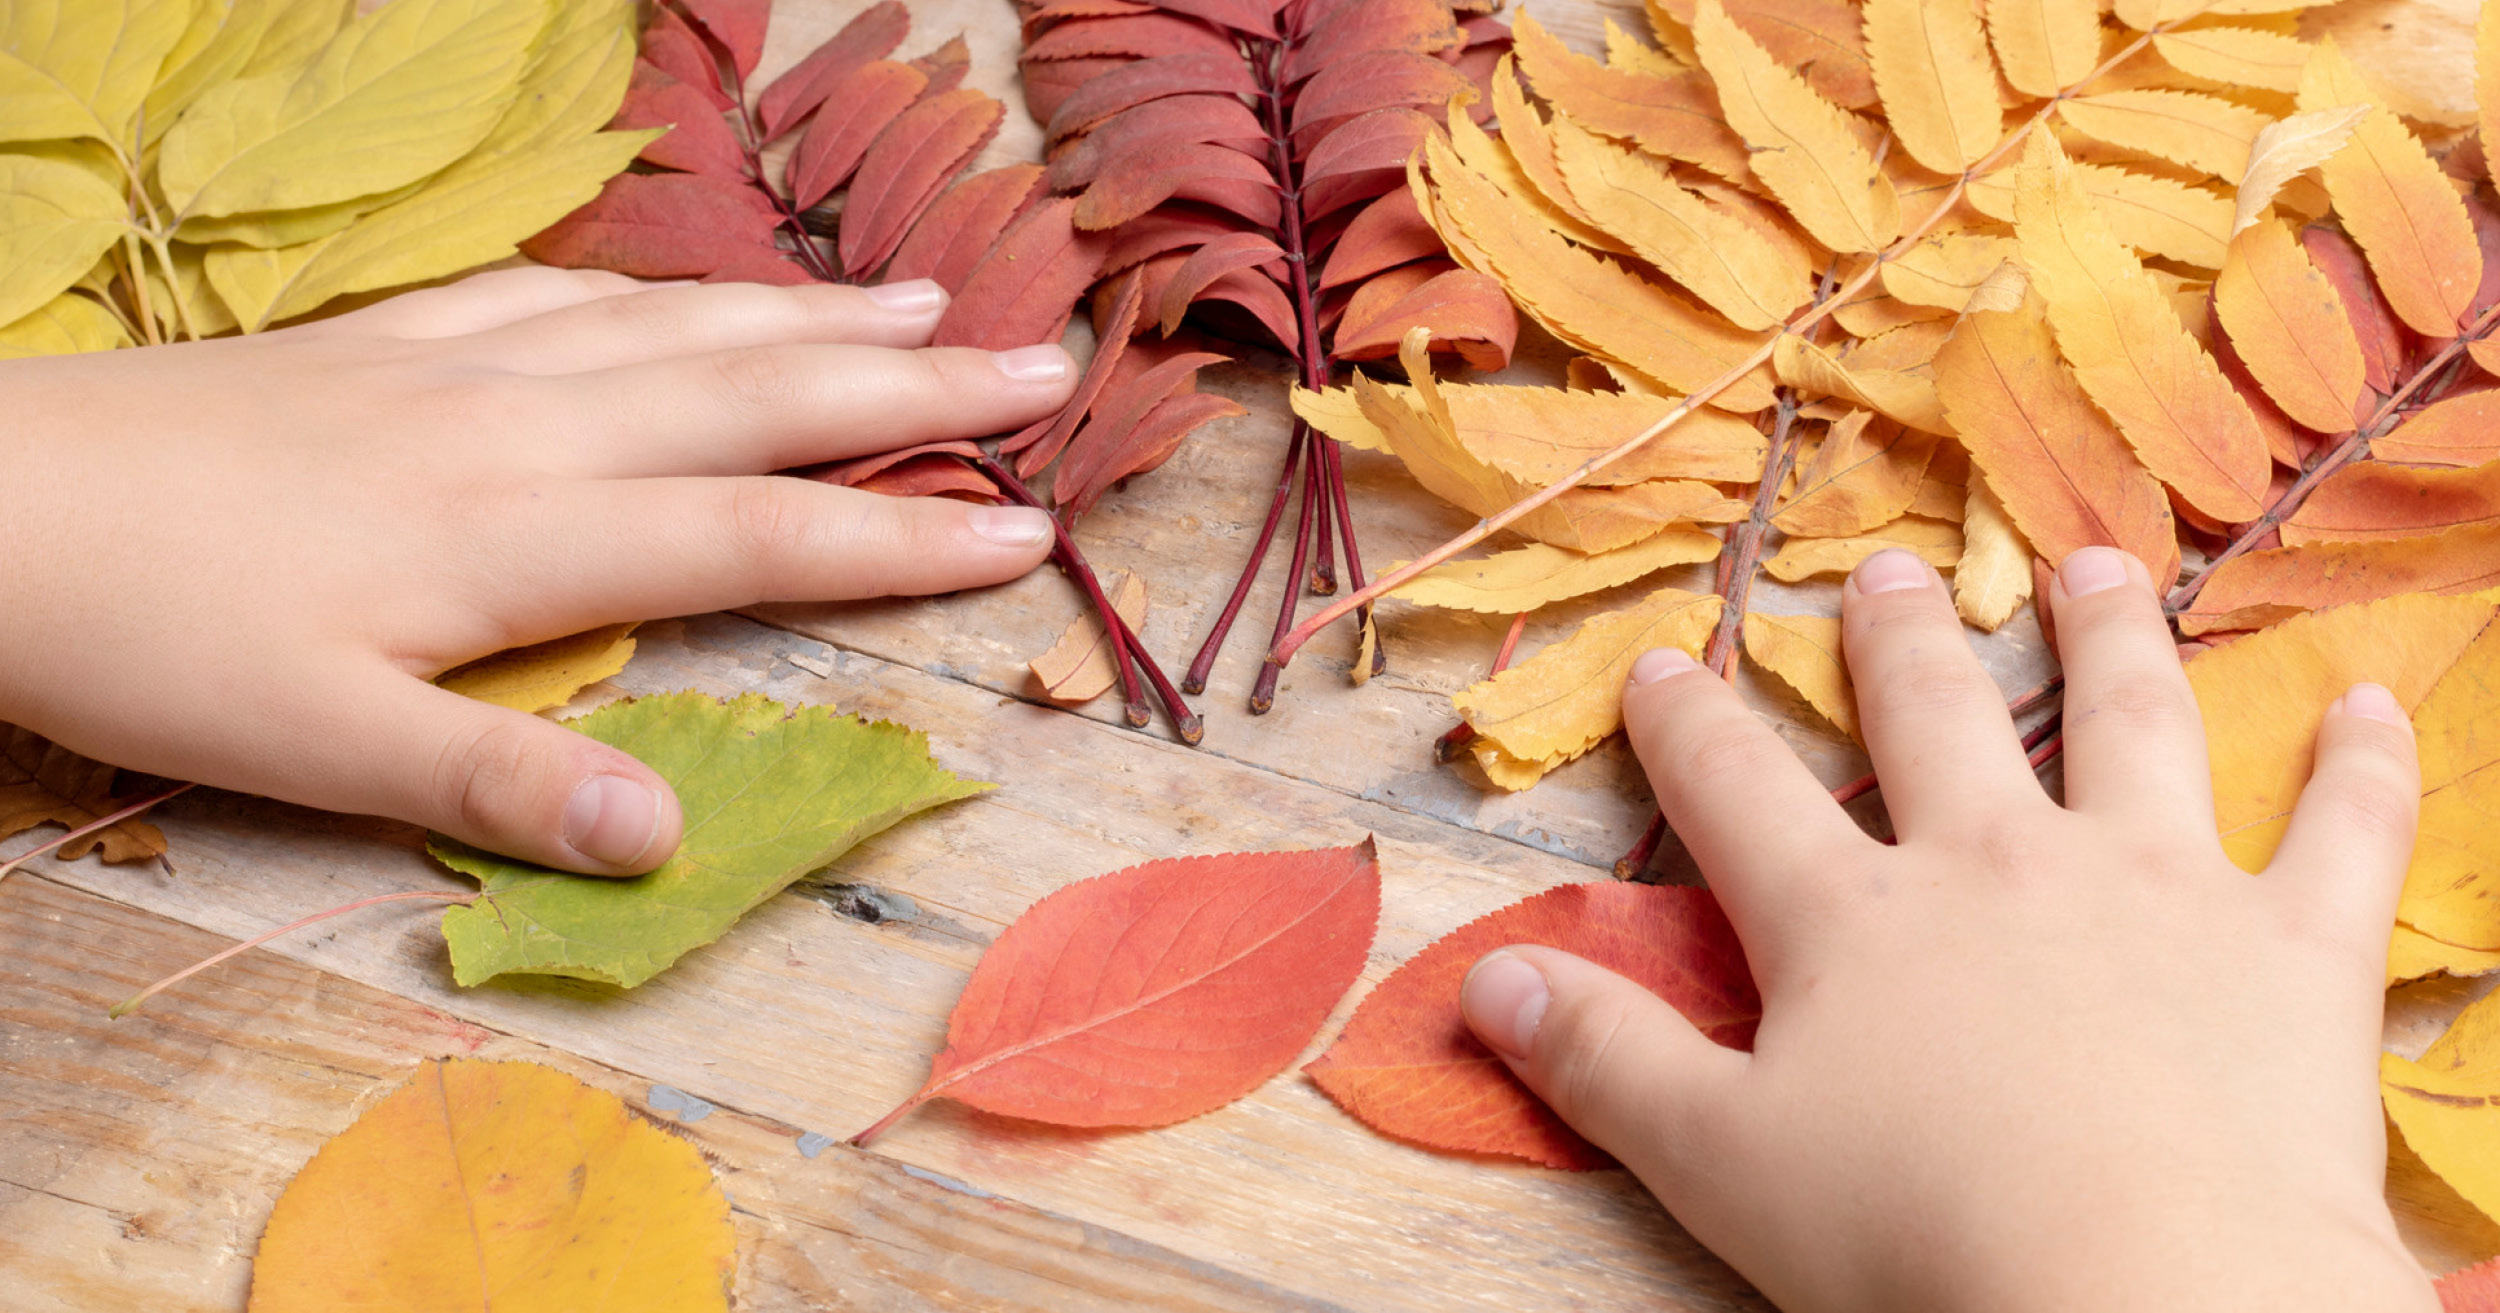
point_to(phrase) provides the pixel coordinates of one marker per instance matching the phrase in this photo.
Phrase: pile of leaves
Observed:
(172, 171)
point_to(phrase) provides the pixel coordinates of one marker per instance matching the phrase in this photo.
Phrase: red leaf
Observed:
(1147, 80)
(1023, 291)
(1222, 120)
(660, 225)
(945, 66)
(932, 476)
(673, 48)
(849, 472)
(1042, 443)
(1141, 37)
(1149, 443)
(2473, 1289)
(1381, 139)
(1330, 195)
(1049, 82)
(1206, 264)
(1389, 232)
(865, 103)
(1161, 230)
(1369, 82)
(698, 138)
(1255, 17)
(1135, 182)
(1043, 17)
(957, 231)
(763, 264)
(1141, 381)
(1156, 993)
(872, 35)
(1257, 293)
(738, 25)
(2382, 337)
(906, 167)
(1408, 1066)
(1416, 26)
(1466, 311)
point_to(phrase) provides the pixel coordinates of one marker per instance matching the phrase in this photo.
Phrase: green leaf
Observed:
(80, 68)
(397, 96)
(69, 323)
(770, 793)
(56, 221)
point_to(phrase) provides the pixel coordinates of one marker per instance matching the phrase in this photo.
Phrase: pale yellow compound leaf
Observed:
(1526, 578)
(397, 95)
(2394, 200)
(1865, 475)
(2045, 46)
(1520, 163)
(1805, 147)
(1903, 395)
(2287, 148)
(2205, 133)
(1934, 76)
(1717, 257)
(296, 34)
(1944, 270)
(67, 324)
(213, 50)
(1078, 667)
(187, 306)
(56, 221)
(2240, 56)
(2145, 15)
(1993, 578)
(1562, 701)
(546, 675)
(80, 68)
(2159, 216)
(1804, 651)
(1939, 544)
(270, 229)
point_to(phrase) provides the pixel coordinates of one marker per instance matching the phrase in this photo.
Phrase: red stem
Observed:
(1195, 681)
(751, 144)
(1263, 691)
(1449, 745)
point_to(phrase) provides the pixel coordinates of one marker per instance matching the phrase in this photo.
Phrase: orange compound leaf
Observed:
(1149, 80)
(2067, 479)
(1023, 290)
(1466, 311)
(1208, 263)
(1408, 1067)
(905, 169)
(2290, 329)
(2374, 325)
(1821, 39)
(2374, 499)
(2392, 197)
(1220, 120)
(1138, 36)
(960, 228)
(1135, 182)
(698, 139)
(2459, 430)
(1417, 26)
(867, 100)
(1158, 992)
(661, 225)
(1389, 232)
(794, 95)
(2261, 588)
(2473, 1289)
(1676, 117)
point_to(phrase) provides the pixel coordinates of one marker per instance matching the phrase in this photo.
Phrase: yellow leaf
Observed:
(2411, 955)
(1676, 117)
(2157, 215)
(1366, 651)
(297, 34)
(544, 675)
(2129, 350)
(1507, 583)
(2205, 133)
(187, 305)
(270, 229)
(2144, 15)
(80, 68)
(1717, 257)
(1993, 578)
(1521, 161)
(2241, 56)
(2290, 329)
(2487, 72)
(1541, 434)
(1805, 147)
(2284, 150)
(1873, 315)
(1864, 476)
(1933, 73)
(1078, 667)
(1625, 53)
(2045, 46)
(502, 1183)
(1904, 396)
(213, 49)
(399, 94)
(1588, 301)
(1944, 270)
(1938, 544)
(1505, 771)
(2393, 199)
(1804, 651)
(56, 221)
(2448, 1104)
(67, 323)
(1560, 702)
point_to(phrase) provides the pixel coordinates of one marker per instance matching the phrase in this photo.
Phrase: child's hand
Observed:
(239, 561)
(2034, 1057)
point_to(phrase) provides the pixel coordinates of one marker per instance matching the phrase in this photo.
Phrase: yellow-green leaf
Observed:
(296, 34)
(56, 221)
(66, 324)
(80, 68)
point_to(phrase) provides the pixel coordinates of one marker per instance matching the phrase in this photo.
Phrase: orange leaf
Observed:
(2289, 328)
(2374, 499)
(1938, 85)
(43, 783)
(2460, 430)
(1023, 290)
(1822, 39)
(2392, 197)
(2261, 588)
(1675, 117)
(2473, 1289)
(1806, 149)
(1389, 232)
(1864, 476)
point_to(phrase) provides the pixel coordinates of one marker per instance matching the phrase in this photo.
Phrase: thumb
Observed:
(1614, 1060)
(501, 780)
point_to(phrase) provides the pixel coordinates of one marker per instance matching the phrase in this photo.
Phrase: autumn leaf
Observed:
(770, 793)
(2447, 1104)
(1077, 667)
(1157, 992)
(1562, 701)
(503, 1185)
(2264, 587)
(2395, 201)
(1408, 1066)
(2473, 1289)
(1537, 575)
(43, 783)
(1805, 150)
(1804, 651)
(543, 675)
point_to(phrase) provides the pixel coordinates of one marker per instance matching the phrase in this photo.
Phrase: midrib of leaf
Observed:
(2038, 430)
(468, 1201)
(1718, 258)
(2299, 343)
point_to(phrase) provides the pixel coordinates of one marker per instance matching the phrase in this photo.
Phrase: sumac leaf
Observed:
(1369, 82)
(1380, 139)
(867, 101)
(960, 228)
(906, 167)
(1147, 444)
(1221, 120)
(1133, 183)
(945, 67)
(1258, 294)
(661, 225)
(2382, 337)
(1149, 80)
(1416, 26)
(1023, 291)
(932, 476)
(1049, 82)
(1142, 36)
(874, 34)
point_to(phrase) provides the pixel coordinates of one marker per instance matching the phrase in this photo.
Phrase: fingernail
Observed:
(2374, 702)
(612, 819)
(1010, 526)
(1503, 1000)
(917, 297)
(1659, 662)
(2089, 570)
(1890, 571)
(1032, 364)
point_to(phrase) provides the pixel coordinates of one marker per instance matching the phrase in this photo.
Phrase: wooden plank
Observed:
(139, 1159)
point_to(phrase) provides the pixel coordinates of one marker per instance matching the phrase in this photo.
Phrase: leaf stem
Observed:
(1195, 681)
(1263, 690)
(429, 895)
(91, 827)
(751, 145)
(1448, 746)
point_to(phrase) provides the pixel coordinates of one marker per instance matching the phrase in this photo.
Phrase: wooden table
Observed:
(139, 1159)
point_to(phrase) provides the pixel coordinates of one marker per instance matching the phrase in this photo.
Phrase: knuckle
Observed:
(759, 382)
(2141, 702)
(480, 775)
(769, 521)
(1591, 1032)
